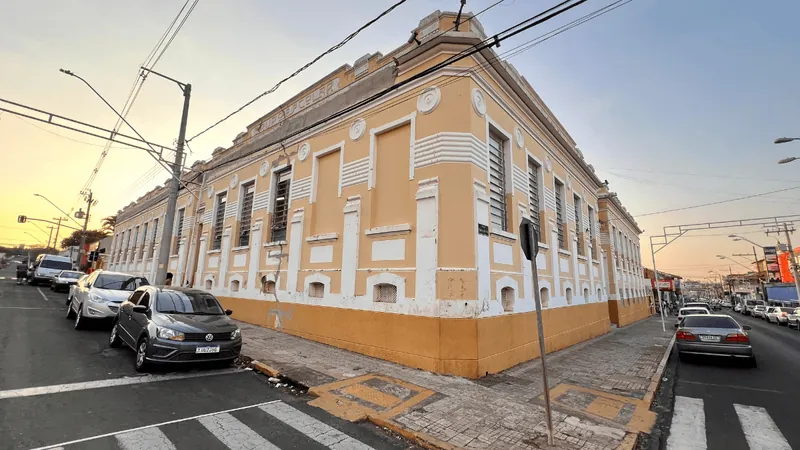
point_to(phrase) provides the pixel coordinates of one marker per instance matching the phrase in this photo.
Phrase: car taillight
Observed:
(684, 336)
(738, 338)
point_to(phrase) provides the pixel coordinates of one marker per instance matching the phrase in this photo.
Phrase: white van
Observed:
(48, 266)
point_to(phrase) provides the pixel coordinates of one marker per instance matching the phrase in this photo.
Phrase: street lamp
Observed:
(783, 140)
(787, 160)
(56, 207)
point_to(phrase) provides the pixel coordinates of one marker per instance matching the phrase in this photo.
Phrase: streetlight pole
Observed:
(89, 202)
(655, 282)
(174, 187)
(56, 207)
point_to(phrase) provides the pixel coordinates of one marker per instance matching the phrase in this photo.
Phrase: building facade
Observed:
(629, 293)
(391, 229)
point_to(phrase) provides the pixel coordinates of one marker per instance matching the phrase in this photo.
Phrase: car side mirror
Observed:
(747, 327)
(676, 325)
(228, 312)
(140, 309)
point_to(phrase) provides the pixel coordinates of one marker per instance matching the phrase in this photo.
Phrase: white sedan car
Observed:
(690, 311)
(99, 295)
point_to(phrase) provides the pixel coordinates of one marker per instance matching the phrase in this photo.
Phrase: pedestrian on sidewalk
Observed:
(168, 280)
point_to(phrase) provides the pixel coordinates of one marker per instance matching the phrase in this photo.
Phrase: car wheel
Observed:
(141, 355)
(114, 340)
(752, 363)
(78, 325)
(70, 312)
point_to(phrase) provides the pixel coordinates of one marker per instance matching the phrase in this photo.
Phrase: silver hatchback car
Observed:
(175, 325)
(715, 335)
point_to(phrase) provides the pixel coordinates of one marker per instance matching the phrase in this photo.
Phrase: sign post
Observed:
(529, 239)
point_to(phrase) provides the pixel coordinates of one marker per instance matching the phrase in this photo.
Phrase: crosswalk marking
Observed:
(759, 429)
(688, 430)
(147, 439)
(233, 433)
(313, 428)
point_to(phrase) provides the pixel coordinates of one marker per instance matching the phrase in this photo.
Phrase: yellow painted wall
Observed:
(629, 312)
(466, 347)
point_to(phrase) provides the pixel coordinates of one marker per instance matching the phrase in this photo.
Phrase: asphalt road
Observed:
(722, 404)
(60, 388)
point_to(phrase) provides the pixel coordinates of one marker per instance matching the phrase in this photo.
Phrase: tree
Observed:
(109, 223)
(74, 239)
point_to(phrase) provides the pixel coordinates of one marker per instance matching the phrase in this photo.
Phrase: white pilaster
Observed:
(350, 239)
(427, 236)
(253, 284)
(482, 262)
(295, 249)
(577, 292)
(178, 275)
(225, 254)
(554, 248)
(201, 262)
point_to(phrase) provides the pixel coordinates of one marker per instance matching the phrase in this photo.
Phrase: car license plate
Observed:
(212, 349)
(709, 338)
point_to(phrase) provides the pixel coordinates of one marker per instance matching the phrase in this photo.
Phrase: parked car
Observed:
(758, 311)
(47, 267)
(71, 290)
(689, 311)
(64, 280)
(174, 325)
(779, 314)
(794, 318)
(725, 304)
(100, 295)
(698, 305)
(739, 308)
(713, 335)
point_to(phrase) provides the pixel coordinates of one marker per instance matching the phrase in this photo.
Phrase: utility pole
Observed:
(50, 236)
(89, 202)
(58, 228)
(172, 199)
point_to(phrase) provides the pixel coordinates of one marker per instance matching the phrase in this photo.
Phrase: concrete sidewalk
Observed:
(601, 391)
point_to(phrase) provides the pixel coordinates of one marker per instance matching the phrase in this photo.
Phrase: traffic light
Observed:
(92, 256)
(22, 219)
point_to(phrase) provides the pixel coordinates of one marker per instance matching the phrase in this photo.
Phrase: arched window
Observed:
(209, 285)
(544, 293)
(507, 298)
(385, 292)
(569, 296)
(599, 294)
(235, 285)
(267, 286)
(316, 290)
(586, 294)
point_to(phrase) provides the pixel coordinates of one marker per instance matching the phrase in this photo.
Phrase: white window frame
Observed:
(373, 144)
(493, 127)
(564, 205)
(240, 204)
(315, 168)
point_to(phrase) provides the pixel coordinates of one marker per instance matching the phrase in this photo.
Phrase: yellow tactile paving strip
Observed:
(356, 398)
(609, 406)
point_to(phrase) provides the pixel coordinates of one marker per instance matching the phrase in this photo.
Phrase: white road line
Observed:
(43, 296)
(61, 445)
(733, 386)
(59, 388)
(759, 429)
(149, 438)
(688, 429)
(234, 434)
(313, 428)
(26, 307)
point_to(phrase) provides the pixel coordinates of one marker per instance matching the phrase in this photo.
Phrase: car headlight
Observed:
(172, 335)
(94, 298)
(236, 334)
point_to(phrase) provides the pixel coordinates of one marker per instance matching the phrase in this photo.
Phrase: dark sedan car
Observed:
(174, 325)
(714, 335)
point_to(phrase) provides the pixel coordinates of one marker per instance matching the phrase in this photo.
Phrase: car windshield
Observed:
(119, 282)
(73, 275)
(198, 303)
(688, 312)
(709, 322)
(55, 264)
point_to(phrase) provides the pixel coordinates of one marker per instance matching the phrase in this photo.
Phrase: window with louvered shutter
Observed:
(144, 241)
(578, 223)
(135, 239)
(178, 230)
(533, 194)
(591, 223)
(280, 212)
(497, 184)
(559, 194)
(155, 233)
(248, 192)
(219, 219)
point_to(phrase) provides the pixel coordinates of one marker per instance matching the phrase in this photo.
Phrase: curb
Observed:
(629, 443)
(424, 440)
(655, 382)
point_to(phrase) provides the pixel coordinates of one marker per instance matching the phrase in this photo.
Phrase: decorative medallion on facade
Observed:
(234, 180)
(519, 137)
(428, 100)
(264, 169)
(478, 102)
(303, 151)
(548, 164)
(210, 191)
(357, 129)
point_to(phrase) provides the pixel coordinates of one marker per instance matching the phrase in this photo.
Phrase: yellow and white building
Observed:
(392, 230)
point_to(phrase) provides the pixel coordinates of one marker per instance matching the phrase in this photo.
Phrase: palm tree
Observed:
(108, 223)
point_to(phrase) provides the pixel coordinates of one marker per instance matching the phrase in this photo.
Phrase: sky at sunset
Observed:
(676, 103)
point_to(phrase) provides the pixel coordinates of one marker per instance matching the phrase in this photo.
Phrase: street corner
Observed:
(368, 396)
(632, 414)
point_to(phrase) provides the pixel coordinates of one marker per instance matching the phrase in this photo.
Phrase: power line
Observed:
(716, 203)
(475, 48)
(64, 137)
(731, 177)
(304, 67)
